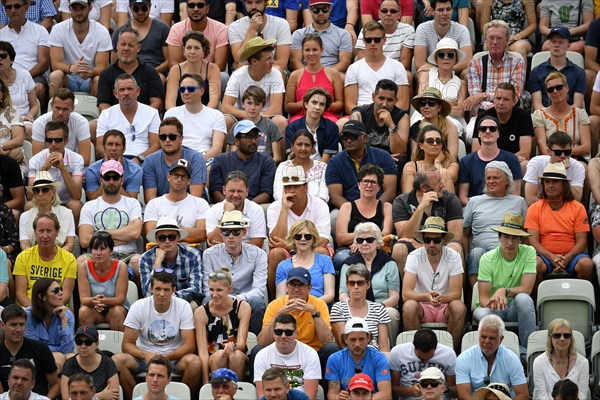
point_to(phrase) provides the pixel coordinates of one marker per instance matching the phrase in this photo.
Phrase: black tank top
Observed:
(220, 330)
(356, 217)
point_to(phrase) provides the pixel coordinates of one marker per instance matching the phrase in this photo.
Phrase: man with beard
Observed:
(153, 35)
(259, 167)
(490, 361)
(152, 91)
(357, 357)
(63, 109)
(21, 381)
(158, 165)
(119, 215)
(78, 67)
(214, 31)
(236, 198)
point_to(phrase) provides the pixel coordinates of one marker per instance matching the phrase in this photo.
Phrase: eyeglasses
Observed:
(110, 177)
(486, 380)
(56, 290)
(428, 240)
(317, 10)
(362, 240)
(431, 140)
(81, 342)
(356, 283)
(296, 284)
(12, 7)
(139, 8)
(500, 388)
(368, 182)
(307, 236)
(3, 56)
(161, 269)
(558, 153)
(350, 136)
(248, 137)
(386, 11)
(178, 176)
(190, 89)
(199, 6)
(486, 128)
(234, 232)
(563, 335)
(49, 139)
(287, 332)
(551, 89)
(449, 55)
(427, 384)
(162, 238)
(430, 103)
(217, 275)
(287, 179)
(170, 136)
(42, 190)
(132, 130)
(370, 40)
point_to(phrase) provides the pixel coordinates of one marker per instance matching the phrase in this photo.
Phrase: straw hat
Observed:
(499, 389)
(512, 224)
(255, 45)
(432, 93)
(555, 171)
(233, 220)
(166, 223)
(446, 44)
(434, 225)
(43, 179)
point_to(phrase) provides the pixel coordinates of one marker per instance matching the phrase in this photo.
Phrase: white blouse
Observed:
(545, 377)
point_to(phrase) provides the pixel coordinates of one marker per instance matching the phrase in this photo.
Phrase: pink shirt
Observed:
(215, 32)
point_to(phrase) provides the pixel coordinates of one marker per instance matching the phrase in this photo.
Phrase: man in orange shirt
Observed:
(559, 226)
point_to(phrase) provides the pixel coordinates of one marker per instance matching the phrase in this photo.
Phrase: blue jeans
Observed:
(520, 310)
(76, 84)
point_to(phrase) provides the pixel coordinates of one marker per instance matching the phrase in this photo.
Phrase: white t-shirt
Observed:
(73, 162)
(145, 123)
(65, 217)
(160, 332)
(404, 360)
(275, 28)
(316, 211)
(597, 84)
(240, 80)
(198, 128)
(418, 264)
(252, 212)
(26, 43)
(535, 168)
(97, 39)
(302, 363)
(19, 91)
(361, 73)
(157, 8)
(102, 216)
(79, 129)
(186, 211)
(96, 7)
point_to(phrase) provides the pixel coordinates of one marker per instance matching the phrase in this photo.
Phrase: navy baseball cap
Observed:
(560, 30)
(354, 127)
(299, 274)
(223, 375)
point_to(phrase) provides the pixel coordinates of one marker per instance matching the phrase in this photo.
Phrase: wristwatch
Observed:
(507, 291)
(140, 157)
(393, 129)
(316, 315)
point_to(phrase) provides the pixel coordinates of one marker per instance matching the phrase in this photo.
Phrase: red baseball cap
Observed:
(361, 381)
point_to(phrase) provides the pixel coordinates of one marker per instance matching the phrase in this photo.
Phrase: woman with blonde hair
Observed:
(12, 131)
(222, 326)
(560, 361)
(303, 240)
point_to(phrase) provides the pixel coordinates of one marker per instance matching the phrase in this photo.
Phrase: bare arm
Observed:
(43, 57)
(389, 188)
(154, 144)
(228, 107)
(53, 385)
(188, 346)
(336, 195)
(420, 56)
(463, 193)
(21, 291)
(350, 97)
(464, 391)
(531, 193)
(408, 289)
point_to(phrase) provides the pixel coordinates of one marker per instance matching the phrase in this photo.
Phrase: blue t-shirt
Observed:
(575, 78)
(277, 8)
(156, 170)
(293, 394)
(341, 367)
(132, 173)
(472, 170)
(592, 38)
(322, 266)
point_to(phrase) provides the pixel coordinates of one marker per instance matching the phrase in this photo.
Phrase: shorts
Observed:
(142, 367)
(434, 314)
(570, 268)
(77, 84)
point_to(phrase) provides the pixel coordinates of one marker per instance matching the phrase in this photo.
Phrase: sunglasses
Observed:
(12, 7)
(370, 40)
(431, 140)
(170, 136)
(190, 89)
(368, 182)
(357, 369)
(132, 130)
(450, 55)
(486, 128)
(427, 384)
(430, 103)
(350, 136)
(3, 56)
(217, 275)
(56, 290)
(317, 10)
(161, 238)
(199, 6)
(386, 11)
(42, 190)
(362, 240)
(48, 139)
(234, 232)
(551, 89)
(110, 177)
(161, 269)
(81, 342)
(567, 153)
(137, 9)
(279, 332)
(563, 335)
(307, 236)
(287, 179)
(428, 240)
(356, 283)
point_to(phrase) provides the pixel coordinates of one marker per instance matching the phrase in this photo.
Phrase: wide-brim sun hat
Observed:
(434, 225)
(431, 93)
(43, 179)
(255, 45)
(446, 44)
(512, 224)
(166, 223)
(555, 171)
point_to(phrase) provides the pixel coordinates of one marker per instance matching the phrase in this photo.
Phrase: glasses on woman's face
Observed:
(562, 335)
(42, 190)
(428, 103)
(307, 236)
(369, 182)
(360, 283)
(81, 342)
(56, 290)
(551, 89)
(430, 141)
(450, 55)
(362, 240)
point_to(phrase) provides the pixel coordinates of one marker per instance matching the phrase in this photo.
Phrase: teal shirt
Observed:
(385, 279)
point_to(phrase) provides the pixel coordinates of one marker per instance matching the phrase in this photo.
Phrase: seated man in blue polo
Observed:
(357, 357)
(342, 170)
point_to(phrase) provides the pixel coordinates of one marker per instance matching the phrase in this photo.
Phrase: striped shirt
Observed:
(376, 314)
(404, 36)
(427, 36)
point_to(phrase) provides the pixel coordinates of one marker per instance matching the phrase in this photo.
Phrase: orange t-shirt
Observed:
(557, 228)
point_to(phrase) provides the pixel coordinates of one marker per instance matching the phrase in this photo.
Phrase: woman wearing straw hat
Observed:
(434, 110)
(493, 391)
